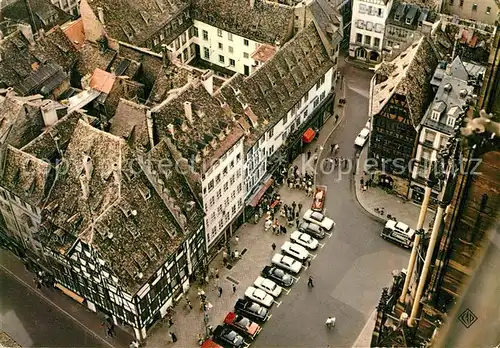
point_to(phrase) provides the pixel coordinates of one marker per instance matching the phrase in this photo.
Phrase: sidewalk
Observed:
(374, 197)
(254, 245)
(87, 319)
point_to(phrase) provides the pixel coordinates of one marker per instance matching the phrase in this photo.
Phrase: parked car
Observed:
(259, 296)
(268, 286)
(295, 250)
(287, 263)
(251, 310)
(304, 239)
(243, 325)
(228, 337)
(319, 219)
(278, 275)
(312, 229)
(210, 344)
(362, 137)
(398, 232)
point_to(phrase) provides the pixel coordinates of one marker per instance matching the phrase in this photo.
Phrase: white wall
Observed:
(255, 165)
(440, 140)
(223, 201)
(362, 21)
(237, 43)
(69, 6)
(281, 130)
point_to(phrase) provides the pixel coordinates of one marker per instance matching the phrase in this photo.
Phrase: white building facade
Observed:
(223, 193)
(69, 6)
(367, 29)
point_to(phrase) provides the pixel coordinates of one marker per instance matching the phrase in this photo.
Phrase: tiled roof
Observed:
(43, 80)
(136, 21)
(75, 33)
(207, 136)
(132, 227)
(169, 78)
(25, 175)
(271, 91)
(263, 53)
(129, 123)
(90, 58)
(265, 23)
(40, 14)
(123, 88)
(102, 81)
(20, 121)
(409, 75)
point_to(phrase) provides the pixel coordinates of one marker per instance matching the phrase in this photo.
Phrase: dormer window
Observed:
(450, 121)
(408, 21)
(435, 115)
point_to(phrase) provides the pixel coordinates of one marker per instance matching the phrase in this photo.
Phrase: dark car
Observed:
(251, 310)
(228, 337)
(312, 229)
(277, 275)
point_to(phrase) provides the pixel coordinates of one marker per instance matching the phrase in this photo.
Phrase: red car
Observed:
(210, 344)
(242, 324)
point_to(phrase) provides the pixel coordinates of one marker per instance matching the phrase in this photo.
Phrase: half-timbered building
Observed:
(400, 93)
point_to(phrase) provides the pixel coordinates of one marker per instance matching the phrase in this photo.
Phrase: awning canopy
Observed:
(256, 199)
(308, 135)
(69, 293)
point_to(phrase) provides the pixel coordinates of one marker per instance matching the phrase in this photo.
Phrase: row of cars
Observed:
(244, 324)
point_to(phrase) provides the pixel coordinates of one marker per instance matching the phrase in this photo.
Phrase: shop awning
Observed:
(69, 293)
(256, 199)
(308, 135)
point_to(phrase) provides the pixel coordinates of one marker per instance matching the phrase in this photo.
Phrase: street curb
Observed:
(366, 211)
(334, 128)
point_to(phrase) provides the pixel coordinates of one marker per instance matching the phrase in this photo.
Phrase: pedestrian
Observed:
(206, 318)
(308, 262)
(111, 330)
(274, 229)
(219, 289)
(234, 289)
(296, 215)
(170, 321)
(300, 207)
(188, 303)
(294, 205)
(310, 282)
(330, 322)
(336, 119)
(173, 337)
(216, 272)
(308, 154)
(236, 239)
(297, 221)
(273, 246)
(332, 145)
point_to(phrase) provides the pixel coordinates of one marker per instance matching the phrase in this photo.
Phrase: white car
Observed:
(362, 137)
(319, 219)
(304, 239)
(295, 250)
(268, 286)
(259, 296)
(287, 263)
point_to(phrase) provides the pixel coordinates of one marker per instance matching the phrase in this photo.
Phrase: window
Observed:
(233, 209)
(304, 99)
(488, 10)
(195, 31)
(219, 193)
(359, 38)
(245, 42)
(245, 55)
(368, 40)
(362, 8)
(450, 2)
(474, 7)
(380, 12)
(226, 186)
(210, 185)
(233, 194)
(239, 187)
(435, 115)
(322, 96)
(205, 35)
(231, 180)
(270, 133)
(221, 46)
(212, 200)
(450, 121)
(461, 3)
(219, 32)
(320, 82)
(217, 179)
(206, 53)
(230, 36)
(232, 62)
(230, 49)
(221, 59)
(183, 38)
(376, 42)
(316, 102)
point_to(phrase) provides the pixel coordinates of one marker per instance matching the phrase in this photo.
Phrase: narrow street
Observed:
(33, 322)
(355, 263)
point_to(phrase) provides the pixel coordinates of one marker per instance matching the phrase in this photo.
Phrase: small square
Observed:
(467, 318)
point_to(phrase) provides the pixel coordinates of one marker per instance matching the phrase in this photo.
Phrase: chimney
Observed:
(171, 130)
(116, 173)
(85, 186)
(252, 4)
(149, 121)
(49, 114)
(100, 14)
(188, 110)
(88, 166)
